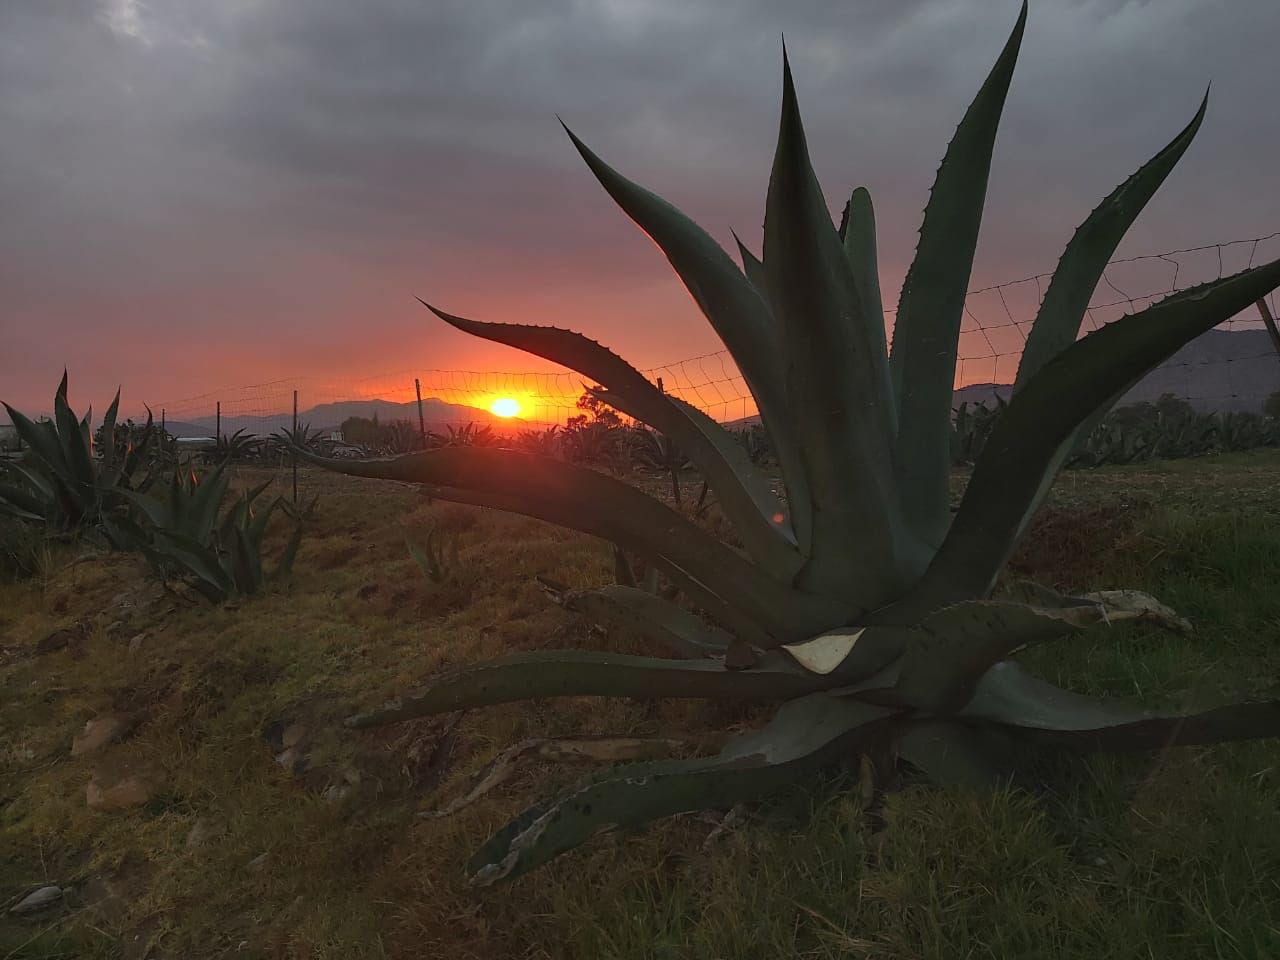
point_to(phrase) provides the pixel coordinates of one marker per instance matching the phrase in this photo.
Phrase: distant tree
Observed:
(362, 430)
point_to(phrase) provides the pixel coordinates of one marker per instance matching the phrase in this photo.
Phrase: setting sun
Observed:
(505, 407)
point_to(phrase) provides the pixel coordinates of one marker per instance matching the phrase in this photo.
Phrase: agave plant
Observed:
(186, 534)
(861, 600)
(240, 445)
(468, 435)
(970, 428)
(656, 451)
(63, 480)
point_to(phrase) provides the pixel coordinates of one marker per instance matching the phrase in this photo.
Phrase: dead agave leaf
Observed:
(1136, 605)
(823, 654)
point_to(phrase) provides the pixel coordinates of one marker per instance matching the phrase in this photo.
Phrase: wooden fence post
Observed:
(1270, 322)
(295, 440)
(422, 422)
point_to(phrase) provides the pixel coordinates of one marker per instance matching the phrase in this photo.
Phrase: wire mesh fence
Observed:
(1234, 367)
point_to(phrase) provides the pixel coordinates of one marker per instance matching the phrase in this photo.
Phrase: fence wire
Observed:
(1233, 367)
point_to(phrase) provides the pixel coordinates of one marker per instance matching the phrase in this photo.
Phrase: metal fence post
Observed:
(295, 440)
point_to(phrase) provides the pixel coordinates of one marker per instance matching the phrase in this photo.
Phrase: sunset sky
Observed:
(200, 194)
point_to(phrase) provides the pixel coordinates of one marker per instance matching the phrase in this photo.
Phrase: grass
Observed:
(1174, 855)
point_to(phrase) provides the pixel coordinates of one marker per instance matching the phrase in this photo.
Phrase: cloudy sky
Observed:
(198, 194)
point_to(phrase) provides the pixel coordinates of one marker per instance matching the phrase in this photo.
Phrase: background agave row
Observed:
(126, 487)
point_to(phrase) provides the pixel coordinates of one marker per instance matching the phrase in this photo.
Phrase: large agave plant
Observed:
(862, 600)
(63, 481)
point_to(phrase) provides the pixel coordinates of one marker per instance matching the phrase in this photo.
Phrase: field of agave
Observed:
(837, 618)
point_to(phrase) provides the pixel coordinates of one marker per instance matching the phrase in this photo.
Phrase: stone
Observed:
(121, 788)
(258, 862)
(40, 899)
(293, 760)
(101, 730)
(136, 643)
(58, 640)
(293, 735)
(201, 832)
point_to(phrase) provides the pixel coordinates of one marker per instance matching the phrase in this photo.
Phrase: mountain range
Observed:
(1222, 371)
(329, 416)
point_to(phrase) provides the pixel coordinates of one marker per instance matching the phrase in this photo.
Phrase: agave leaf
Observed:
(1010, 695)
(652, 618)
(204, 503)
(196, 558)
(858, 235)
(836, 382)
(602, 506)
(954, 752)
(930, 310)
(735, 308)
(578, 673)
(1058, 321)
(758, 516)
(803, 736)
(42, 485)
(1032, 437)
(20, 504)
(284, 570)
(42, 438)
(109, 432)
(753, 268)
(155, 511)
(241, 563)
(724, 612)
(257, 527)
(75, 451)
(951, 651)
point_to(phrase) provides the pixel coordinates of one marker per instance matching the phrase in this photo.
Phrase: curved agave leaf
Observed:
(954, 752)
(927, 329)
(733, 306)
(858, 235)
(602, 506)
(579, 673)
(804, 735)
(20, 503)
(653, 618)
(109, 432)
(836, 382)
(75, 451)
(756, 514)
(753, 268)
(1010, 695)
(1032, 437)
(1057, 323)
(955, 647)
(42, 438)
(196, 559)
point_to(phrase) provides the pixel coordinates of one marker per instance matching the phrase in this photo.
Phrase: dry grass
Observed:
(1174, 856)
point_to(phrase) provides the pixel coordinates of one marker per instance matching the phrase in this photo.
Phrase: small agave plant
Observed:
(862, 601)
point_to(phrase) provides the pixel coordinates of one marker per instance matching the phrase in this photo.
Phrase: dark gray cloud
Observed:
(264, 185)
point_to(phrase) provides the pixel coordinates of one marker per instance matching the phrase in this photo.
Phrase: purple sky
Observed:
(198, 194)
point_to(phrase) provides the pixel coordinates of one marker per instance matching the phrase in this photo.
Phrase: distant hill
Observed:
(1221, 371)
(329, 416)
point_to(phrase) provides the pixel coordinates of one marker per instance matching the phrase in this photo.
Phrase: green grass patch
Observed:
(1169, 855)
